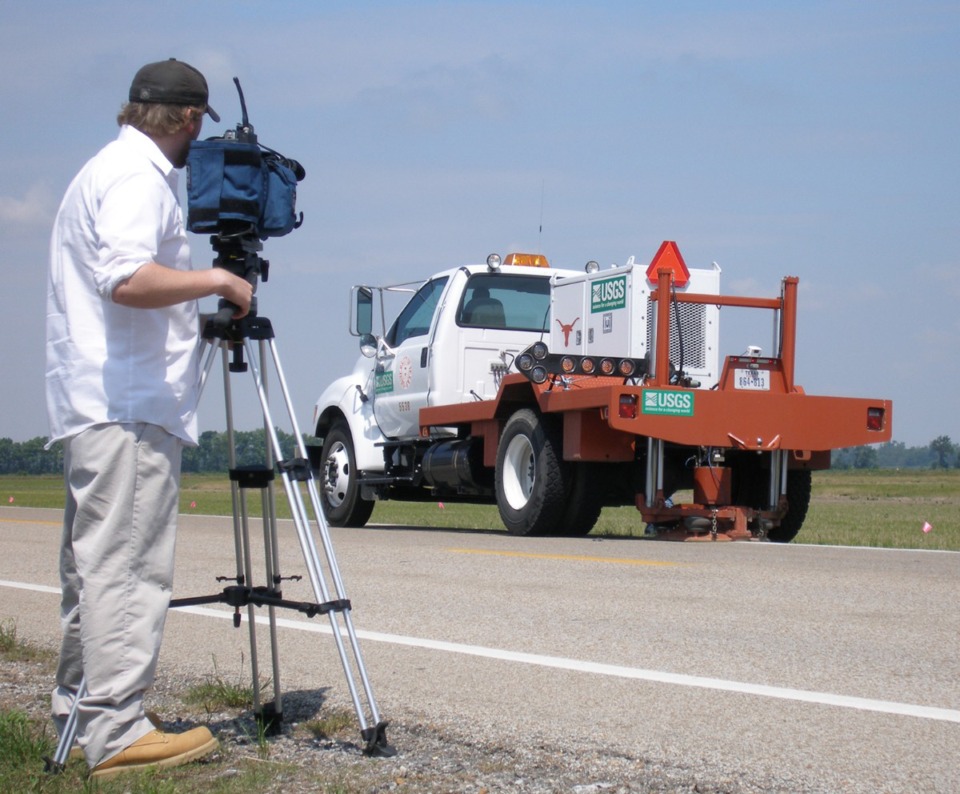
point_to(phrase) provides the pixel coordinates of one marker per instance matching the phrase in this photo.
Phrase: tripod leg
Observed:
(274, 718)
(69, 735)
(324, 533)
(353, 667)
(241, 531)
(213, 347)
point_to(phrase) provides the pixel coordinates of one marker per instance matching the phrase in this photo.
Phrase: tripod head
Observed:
(238, 251)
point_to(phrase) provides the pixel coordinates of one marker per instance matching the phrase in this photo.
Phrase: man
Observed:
(122, 391)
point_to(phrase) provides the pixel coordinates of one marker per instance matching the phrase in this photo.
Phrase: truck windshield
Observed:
(417, 315)
(498, 300)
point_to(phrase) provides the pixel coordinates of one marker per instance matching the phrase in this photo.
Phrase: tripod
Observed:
(235, 343)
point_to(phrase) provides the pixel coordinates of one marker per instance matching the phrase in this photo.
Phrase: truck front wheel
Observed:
(340, 481)
(531, 477)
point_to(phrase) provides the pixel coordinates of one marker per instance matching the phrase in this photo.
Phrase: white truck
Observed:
(553, 393)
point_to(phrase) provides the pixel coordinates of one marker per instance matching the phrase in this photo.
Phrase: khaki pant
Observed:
(116, 574)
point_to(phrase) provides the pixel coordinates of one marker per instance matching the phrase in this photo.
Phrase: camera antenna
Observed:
(245, 126)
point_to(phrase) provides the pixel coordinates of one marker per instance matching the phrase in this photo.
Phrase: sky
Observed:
(814, 139)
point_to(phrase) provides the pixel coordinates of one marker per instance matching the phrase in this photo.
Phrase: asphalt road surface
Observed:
(834, 665)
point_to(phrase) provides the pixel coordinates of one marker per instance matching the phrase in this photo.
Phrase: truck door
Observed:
(401, 378)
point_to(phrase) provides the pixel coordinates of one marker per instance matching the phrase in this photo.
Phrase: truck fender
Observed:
(344, 400)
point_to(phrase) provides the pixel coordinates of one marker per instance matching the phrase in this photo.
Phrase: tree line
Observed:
(941, 453)
(212, 455)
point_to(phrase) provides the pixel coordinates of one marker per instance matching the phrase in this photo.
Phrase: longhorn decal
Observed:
(567, 329)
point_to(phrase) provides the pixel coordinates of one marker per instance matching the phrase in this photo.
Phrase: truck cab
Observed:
(453, 342)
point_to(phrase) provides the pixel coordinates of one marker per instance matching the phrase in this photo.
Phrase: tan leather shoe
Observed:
(76, 754)
(158, 749)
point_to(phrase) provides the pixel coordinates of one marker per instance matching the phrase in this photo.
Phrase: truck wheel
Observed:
(531, 478)
(585, 502)
(340, 481)
(799, 487)
(750, 488)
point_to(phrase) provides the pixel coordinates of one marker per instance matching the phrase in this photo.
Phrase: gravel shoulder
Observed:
(431, 755)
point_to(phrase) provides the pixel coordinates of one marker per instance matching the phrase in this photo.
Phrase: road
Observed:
(836, 667)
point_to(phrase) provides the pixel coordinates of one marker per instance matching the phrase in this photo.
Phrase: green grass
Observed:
(26, 743)
(885, 508)
(216, 694)
(14, 650)
(23, 746)
(38, 490)
(337, 723)
(878, 507)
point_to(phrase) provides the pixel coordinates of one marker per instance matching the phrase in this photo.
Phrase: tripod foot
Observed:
(376, 739)
(269, 720)
(51, 767)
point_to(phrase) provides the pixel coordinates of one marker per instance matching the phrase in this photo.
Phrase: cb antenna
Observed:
(540, 235)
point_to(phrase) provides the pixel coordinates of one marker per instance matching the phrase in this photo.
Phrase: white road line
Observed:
(595, 668)
(37, 588)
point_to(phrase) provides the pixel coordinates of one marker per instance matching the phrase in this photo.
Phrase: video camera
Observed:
(241, 192)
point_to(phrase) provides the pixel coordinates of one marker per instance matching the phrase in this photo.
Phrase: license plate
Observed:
(753, 379)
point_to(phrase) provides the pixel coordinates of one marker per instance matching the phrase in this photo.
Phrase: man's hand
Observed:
(237, 290)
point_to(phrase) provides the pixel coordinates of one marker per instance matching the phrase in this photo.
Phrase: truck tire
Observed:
(750, 489)
(340, 480)
(585, 501)
(799, 488)
(531, 477)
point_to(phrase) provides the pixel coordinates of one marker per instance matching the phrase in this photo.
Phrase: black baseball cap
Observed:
(171, 82)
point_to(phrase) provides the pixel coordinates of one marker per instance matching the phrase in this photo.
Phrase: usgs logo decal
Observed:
(670, 403)
(384, 382)
(611, 293)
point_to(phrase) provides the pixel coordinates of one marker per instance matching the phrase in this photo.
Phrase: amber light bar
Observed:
(538, 363)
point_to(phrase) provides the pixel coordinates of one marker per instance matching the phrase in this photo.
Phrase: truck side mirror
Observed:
(368, 345)
(364, 324)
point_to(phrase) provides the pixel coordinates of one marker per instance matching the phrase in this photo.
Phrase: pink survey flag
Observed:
(926, 526)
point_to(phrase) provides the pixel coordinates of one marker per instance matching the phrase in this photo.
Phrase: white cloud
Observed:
(35, 209)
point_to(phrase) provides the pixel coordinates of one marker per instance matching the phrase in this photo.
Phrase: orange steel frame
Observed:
(784, 418)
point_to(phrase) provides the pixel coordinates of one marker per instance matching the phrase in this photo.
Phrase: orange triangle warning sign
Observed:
(669, 257)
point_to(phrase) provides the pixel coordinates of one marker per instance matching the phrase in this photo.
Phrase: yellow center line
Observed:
(573, 557)
(30, 521)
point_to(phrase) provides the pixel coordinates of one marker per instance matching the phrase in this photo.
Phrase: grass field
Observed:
(880, 507)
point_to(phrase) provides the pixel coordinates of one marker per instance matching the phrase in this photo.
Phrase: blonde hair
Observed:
(154, 118)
